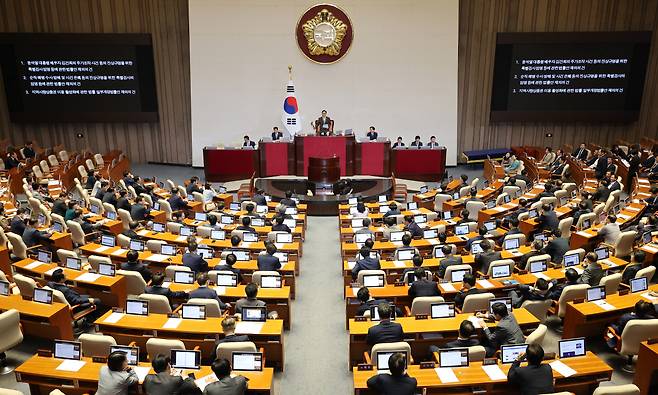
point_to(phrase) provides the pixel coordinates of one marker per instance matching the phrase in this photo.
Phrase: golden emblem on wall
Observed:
(324, 33)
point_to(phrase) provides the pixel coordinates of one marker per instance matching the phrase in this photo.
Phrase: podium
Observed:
(323, 170)
(373, 158)
(229, 164)
(341, 147)
(277, 158)
(425, 164)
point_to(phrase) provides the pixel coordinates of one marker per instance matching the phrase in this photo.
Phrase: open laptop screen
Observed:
(247, 361)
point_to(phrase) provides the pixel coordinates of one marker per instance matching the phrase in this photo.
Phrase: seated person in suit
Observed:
(33, 236)
(610, 232)
(548, 220)
(386, 331)
(398, 143)
(412, 227)
(229, 261)
(472, 196)
(276, 134)
(366, 302)
(123, 202)
(226, 383)
(513, 227)
(287, 201)
(268, 261)
(535, 249)
(162, 381)
(582, 209)
(571, 276)
(652, 201)
(534, 379)
(259, 197)
(156, 288)
(193, 260)
(593, 272)
(251, 291)
(18, 222)
(393, 209)
(366, 227)
(324, 125)
(525, 292)
(249, 208)
(361, 211)
(246, 225)
(134, 265)
(406, 244)
(116, 377)
(193, 186)
(372, 134)
(464, 217)
(448, 260)
(643, 310)
(279, 226)
(482, 231)
(636, 264)
(131, 231)
(417, 143)
(549, 157)
(364, 262)
(602, 191)
(139, 210)
(228, 328)
(581, 152)
(58, 282)
(396, 383)
(203, 292)
(465, 338)
(507, 330)
(433, 143)
(390, 225)
(557, 246)
(417, 261)
(422, 286)
(484, 258)
(514, 165)
(87, 227)
(235, 241)
(468, 288)
(176, 202)
(212, 222)
(247, 142)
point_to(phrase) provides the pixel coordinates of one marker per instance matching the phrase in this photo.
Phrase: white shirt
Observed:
(208, 195)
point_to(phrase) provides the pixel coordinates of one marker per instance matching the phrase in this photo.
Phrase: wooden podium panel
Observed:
(229, 164)
(373, 158)
(419, 164)
(341, 147)
(277, 158)
(324, 170)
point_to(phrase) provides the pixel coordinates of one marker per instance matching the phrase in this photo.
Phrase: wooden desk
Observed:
(647, 363)
(558, 272)
(588, 319)
(49, 321)
(376, 216)
(418, 333)
(202, 333)
(588, 236)
(41, 374)
(426, 199)
(488, 193)
(5, 262)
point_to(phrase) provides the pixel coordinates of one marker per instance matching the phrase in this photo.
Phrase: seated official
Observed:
(259, 197)
(538, 292)
(18, 222)
(162, 381)
(279, 226)
(548, 219)
(276, 134)
(390, 225)
(229, 261)
(386, 331)
(249, 208)
(468, 288)
(288, 201)
(176, 202)
(582, 209)
(123, 202)
(131, 231)
(110, 197)
(642, 310)
(412, 227)
(267, 261)
(58, 282)
(557, 246)
(636, 264)
(246, 225)
(366, 227)
(59, 205)
(194, 185)
(247, 143)
(228, 328)
(417, 262)
(212, 223)
(139, 211)
(593, 272)
(396, 383)
(433, 143)
(134, 265)
(372, 134)
(535, 250)
(324, 125)
(464, 217)
(193, 260)
(465, 338)
(226, 384)
(398, 143)
(204, 292)
(534, 379)
(652, 201)
(610, 232)
(506, 331)
(472, 196)
(514, 165)
(484, 258)
(581, 152)
(406, 244)
(87, 227)
(549, 157)
(364, 262)
(116, 377)
(422, 286)
(367, 302)
(417, 143)
(482, 232)
(156, 288)
(28, 150)
(571, 276)
(251, 291)
(448, 260)
(393, 209)
(33, 236)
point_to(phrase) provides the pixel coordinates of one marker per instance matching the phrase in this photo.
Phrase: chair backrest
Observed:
(477, 302)
(198, 197)
(565, 227)
(158, 304)
(98, 203)
(52, 159)
(423, 304)
(536, 258)
(62, 254)
(623, 389)
(647, 272)
(170, 271)
(44, 166)
(501, 198)
(96, 345)
(125, 217)
(147, 198)
(90, 164)
(635, 332)
(94, 260)
(26, 285)
(520, 236)
(386, 347)
(10, 327)
(598, 209)
(166, 207)
(239, 233)
(439, 199)
(82, 171)
(475, 183)
(624, 244)
(7, 391)
(362, 273)
(58, 296)
(155, 245)
(17, 245)
(611, 283)
(569, 293)
(174, 227)
(579, 251)
(37, 171)
(203, 231)
(226, 350)
(463, 191)
(538, 308)
(212, 306)
(473, 209)
(552, 200)
(522, 184)
(135, 283)
(537, 336)
(569, 187)
(98, 158)
(591, 217)
(155, 346)
(60, 220)
(107, 207)
(77, 234)
(123, 241)
(512, 191)
(501, 262)
(448, 274)
(476, 353)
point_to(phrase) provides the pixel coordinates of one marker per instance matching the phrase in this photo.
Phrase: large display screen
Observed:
(79, 77)
(583, 76)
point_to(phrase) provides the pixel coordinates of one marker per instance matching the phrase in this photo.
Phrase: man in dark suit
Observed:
(637, 262)
(276, 135)
(536, 378)
(593, 272)
(448, 260)
(513, 227)
(193, 186)
(203, 292)
(465, 338)
(365, 263)
(123, 201)
(417, 143)
(162, 382)
(267, 261)
(246, 225)
(226, 384)
(138, 211)
(602, 192)
(279, 226)
(193, 260)
(110, 197)
(131, 231)
(287, 201)
(367, 302)
(59, 206)
(581, 152)
(556, 247)
(535, 249)
(507, 330)
(582, 209)
(412, 226)
(571, 276)
(324, 125)
(614, 184)
(548, 220)
(28, 150)
(58, 282)
(259, 198)
(156, 288)
(642, 310)
(396, 383)
(228, 266)
(398, 143)
(386, 331)
(228, 328)
(484, 259)
(33, 236)
(247, 143)
(372, 134)
(17, 223)
(422, 286)
(468, 288)
(12, 161)
(393, 209)
(433, 143)
(651, 201)
(482, 231)
(604, 165)
(134, 265)
(176, 202)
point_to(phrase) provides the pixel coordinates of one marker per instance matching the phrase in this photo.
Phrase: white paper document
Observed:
(651, 249)
(50, 272)
(102, 248)
(541, 275)
(205, 380)
(446, 375)
(120, 251)
(181, 238)
(649, 297)
(249, 327)
(172, 323)
(485, 283)
(562, 368)
(141, 372)
(399, 264)
(113, 318)
(448, 287)
(475, 321)
(71, 365)
(33, 265)
(221, 290)
(604, 305)
(433, 241)
(143, 232)
(494, 372)
(88, 277)
(157, 257)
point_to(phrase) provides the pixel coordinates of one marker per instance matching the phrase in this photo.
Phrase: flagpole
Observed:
(290, 72)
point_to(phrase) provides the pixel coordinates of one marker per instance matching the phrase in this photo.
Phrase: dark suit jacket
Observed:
(462, 343)
(415, 230)
(73, 297)
(281, 228)
(130, 233)
(195, 262)
(259, 200)
(249, 144)
(386, 384)
(229, 269)
(630, 272)
(138, 212)
(461, 296)
(207, 293)
(171, 295)
(124, 204)
(17, 225)
(385, 332)
(323, 126)
(601, 166)
(548, 221)
(59, 207)
(601, 195)
(363, 307)
(268, 262)
(288, 202)
(418, 144)
(484, 259)
(448, 261)
(177, 203)
(507, 331)
(372, 135)
(531, 380)
(193, 187)
(110, 197)
(277, 135)
(423, 287)
(592, 275)
(556, 249)
(141, 268)
(580, 154)
(526, 256)
(32, 236)
(365, 264)
(162, 383)
(28, 152)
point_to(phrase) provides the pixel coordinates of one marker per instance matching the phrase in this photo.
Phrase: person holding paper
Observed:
(396, 383)
(116, 377)
(507, 330)
(534, 379)
(225, 384)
